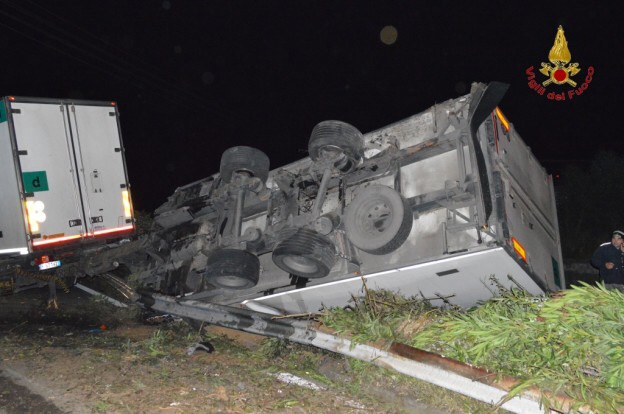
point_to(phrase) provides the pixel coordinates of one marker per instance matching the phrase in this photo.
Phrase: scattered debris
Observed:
(293, 379)
(200, 346)
(354, 404)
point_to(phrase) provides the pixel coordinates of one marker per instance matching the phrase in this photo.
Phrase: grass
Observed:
(280, 405)
(101, 406)
(379, 315)
(363, 380)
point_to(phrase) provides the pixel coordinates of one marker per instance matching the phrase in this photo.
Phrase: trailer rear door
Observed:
(45, 152)
(102, 177)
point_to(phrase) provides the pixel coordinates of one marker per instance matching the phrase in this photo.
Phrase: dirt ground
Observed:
(90, 357)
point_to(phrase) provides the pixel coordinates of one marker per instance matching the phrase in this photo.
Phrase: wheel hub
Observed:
(377, 217)
(300, 264)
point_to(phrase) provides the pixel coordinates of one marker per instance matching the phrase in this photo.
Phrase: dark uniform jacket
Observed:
(607, 252)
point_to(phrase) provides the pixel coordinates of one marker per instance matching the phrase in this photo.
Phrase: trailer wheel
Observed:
(244, 159)
(233, 269)
(336, 142)
(378, 220)
(306, 254)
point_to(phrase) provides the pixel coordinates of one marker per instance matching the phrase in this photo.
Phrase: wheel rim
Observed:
(300, 264)
(376, 216)
(330, 153)
(337, 156)
(230, 281)
(378, 220)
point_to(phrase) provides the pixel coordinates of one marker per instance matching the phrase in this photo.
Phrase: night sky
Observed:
(193, 78)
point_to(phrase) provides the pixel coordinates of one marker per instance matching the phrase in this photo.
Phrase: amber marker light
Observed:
(518, 248)
(502, 118)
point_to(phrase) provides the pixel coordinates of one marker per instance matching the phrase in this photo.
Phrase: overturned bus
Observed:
(449, 205)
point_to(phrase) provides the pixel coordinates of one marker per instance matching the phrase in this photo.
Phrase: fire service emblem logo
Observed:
(560, 72)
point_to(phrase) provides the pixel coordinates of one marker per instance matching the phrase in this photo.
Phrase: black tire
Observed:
(306, 254)
(232, 269)
(378, 220)
(111, 285)
(338, 142)
(250, 160)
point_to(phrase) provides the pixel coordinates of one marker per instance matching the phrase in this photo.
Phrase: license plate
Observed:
(49, 265)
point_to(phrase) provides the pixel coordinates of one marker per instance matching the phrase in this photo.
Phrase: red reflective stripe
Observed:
(96, 233)
(55, 240)
(495, 132)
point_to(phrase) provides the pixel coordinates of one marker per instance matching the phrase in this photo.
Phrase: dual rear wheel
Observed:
(377, 221)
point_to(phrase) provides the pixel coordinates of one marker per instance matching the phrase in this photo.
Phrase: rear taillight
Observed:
(42, 259)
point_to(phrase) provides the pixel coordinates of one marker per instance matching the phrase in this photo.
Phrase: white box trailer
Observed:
(448, 204)
(63, 180)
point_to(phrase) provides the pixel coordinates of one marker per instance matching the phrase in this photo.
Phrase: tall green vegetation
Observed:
(571, 344)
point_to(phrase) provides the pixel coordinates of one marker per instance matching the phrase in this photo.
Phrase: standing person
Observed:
(608, 259)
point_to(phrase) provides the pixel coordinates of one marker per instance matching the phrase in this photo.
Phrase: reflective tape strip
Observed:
(20, 250)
